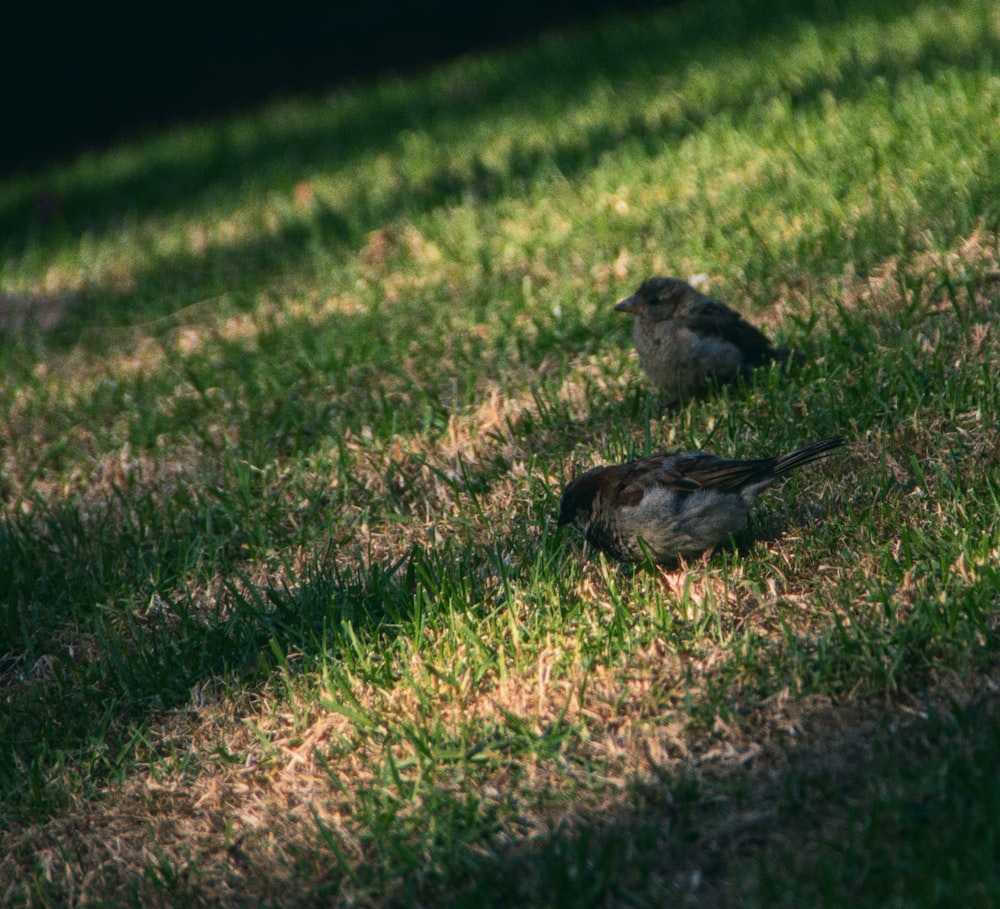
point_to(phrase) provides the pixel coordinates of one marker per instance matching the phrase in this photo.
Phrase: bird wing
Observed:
(711, 317)
(686, 472)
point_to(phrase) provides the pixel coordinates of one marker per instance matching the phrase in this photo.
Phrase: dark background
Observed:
(83, 77)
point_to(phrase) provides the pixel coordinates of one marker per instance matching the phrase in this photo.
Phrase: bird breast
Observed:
(674, 356)
(679, 524)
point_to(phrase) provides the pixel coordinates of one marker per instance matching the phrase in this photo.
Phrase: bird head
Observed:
(578, 498)
(656, 298)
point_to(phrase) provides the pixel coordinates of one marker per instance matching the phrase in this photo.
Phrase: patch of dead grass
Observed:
(247, 829)
(42, 310)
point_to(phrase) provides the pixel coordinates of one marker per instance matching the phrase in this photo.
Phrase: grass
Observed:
(288, 403)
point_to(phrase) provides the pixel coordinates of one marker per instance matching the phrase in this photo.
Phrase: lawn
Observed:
(288, 403)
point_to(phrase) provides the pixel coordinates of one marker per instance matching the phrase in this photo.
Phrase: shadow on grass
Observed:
(560, 74)
(86, 677)
(867, 811)
(223, 162)
(857, 808)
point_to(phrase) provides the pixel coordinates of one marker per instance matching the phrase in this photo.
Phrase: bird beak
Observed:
(567, 514)
(629, 304)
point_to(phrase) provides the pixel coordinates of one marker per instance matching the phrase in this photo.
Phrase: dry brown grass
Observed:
(246, 831)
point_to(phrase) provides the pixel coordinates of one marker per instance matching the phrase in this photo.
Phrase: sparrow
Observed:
(680, 503)
(686, 340)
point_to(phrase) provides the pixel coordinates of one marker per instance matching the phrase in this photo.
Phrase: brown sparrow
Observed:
(686, 340)
(680, 503)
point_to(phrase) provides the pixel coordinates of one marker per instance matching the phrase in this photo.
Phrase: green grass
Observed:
(288, 403)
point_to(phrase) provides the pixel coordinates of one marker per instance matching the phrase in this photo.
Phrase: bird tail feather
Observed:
(806, 453)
